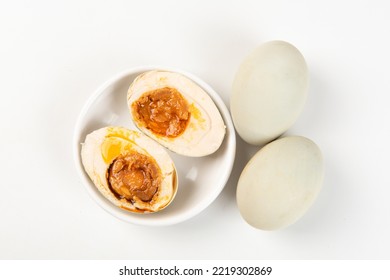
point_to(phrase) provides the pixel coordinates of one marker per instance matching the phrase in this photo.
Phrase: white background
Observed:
(53, 55)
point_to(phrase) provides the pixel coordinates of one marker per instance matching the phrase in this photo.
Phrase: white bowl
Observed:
(201, 180)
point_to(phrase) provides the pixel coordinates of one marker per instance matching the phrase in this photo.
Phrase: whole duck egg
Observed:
(280, 183)
(269, 92)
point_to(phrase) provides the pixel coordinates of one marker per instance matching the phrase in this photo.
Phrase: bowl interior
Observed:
(200, 179)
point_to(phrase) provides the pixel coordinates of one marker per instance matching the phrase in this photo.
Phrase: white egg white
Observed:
(206, 129)
(103, 146)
